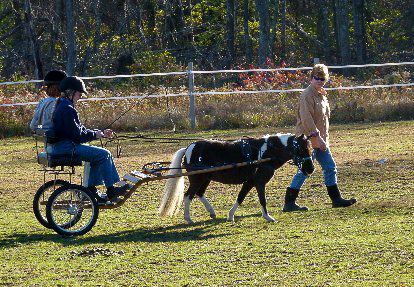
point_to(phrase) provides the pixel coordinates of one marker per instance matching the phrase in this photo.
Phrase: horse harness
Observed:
(246, 150)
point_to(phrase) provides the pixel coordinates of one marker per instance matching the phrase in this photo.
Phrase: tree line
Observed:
(129, 36)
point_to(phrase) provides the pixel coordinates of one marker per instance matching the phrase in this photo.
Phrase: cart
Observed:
(54, 168)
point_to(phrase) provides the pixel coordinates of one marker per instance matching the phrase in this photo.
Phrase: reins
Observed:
(201, 170)
(168, 139)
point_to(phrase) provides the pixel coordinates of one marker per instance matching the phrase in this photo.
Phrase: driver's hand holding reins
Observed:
(107, 133)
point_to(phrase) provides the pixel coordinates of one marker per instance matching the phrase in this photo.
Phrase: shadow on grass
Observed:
(177, 233)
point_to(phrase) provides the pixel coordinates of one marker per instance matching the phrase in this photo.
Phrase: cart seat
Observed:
(51, 160)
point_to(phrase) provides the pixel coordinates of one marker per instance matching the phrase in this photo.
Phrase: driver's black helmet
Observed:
(54, 77)
(73, 83)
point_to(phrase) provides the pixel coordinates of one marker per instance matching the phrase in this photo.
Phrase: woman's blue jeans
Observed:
(328, 165)
(102, 166)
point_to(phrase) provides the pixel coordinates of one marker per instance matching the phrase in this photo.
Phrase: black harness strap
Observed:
(246, 149)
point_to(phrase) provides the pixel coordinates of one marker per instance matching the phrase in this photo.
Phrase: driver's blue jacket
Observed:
(67, 127)
(66, 123)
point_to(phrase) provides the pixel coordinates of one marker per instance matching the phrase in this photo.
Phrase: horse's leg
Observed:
(247, 186)
(261, 191)
(195, 183)
(266, 175)
(187, 202)
(203, 199)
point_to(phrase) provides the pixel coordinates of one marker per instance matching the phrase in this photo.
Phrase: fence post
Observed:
(191, 95)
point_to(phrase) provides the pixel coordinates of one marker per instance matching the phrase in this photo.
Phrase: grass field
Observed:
(369, 244)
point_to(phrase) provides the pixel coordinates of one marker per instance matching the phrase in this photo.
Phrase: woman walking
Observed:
(313, 120)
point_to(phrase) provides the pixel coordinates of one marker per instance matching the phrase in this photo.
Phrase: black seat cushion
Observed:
(53, 160)
(63, 160)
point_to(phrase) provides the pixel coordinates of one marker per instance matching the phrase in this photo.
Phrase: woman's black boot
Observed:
(290, 198)
(337, 200)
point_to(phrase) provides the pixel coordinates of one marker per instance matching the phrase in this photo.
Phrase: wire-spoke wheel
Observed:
(72, 210)
(41, 197)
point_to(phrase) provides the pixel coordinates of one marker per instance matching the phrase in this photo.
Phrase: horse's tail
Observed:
(174, 187)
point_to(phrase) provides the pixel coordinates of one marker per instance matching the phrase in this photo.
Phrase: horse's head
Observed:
(302, 154)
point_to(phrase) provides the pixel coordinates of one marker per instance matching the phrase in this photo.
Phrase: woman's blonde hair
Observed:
(320, 71)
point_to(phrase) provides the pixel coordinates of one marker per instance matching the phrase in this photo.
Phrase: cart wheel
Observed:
(72, 210)
(41, 197)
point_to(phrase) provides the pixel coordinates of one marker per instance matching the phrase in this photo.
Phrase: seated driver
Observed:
(42, 117)
(69, 130)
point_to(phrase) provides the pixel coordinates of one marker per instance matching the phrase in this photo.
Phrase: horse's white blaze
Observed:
(188, 152)
(208, 206)
(232, 211)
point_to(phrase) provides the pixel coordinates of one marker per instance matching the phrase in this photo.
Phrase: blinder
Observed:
(298, 160)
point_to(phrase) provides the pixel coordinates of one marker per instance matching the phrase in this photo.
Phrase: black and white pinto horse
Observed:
(205, 154)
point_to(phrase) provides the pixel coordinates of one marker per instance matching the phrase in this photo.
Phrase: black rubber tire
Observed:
(41, 196)
(72, 210)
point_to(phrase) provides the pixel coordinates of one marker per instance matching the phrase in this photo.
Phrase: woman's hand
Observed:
(99, 134)
(318, 142)
(108, 133)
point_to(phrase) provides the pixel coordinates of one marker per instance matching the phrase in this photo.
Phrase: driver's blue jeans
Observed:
(102, 166)
(328, 165)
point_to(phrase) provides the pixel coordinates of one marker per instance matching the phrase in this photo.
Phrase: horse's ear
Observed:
(302, 136)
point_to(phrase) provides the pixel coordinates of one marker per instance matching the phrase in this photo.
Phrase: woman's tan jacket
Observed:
(313, 113)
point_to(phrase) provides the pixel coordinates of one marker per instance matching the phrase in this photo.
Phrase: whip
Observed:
(123, 114)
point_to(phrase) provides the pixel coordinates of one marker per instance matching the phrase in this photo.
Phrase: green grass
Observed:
(369, 244)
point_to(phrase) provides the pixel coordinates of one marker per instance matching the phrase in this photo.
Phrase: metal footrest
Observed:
(131, 178)
(135, 177)
(140, 174)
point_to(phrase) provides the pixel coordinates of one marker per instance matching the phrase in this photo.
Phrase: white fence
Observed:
(192, 93)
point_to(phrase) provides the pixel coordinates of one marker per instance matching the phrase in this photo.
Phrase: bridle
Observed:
(297, 159)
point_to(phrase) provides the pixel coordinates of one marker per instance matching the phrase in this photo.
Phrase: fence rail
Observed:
(192, 93)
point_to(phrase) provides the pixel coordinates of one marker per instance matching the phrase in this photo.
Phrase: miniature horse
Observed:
(212, 153)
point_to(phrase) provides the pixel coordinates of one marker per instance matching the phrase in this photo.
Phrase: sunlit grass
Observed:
(369, 244)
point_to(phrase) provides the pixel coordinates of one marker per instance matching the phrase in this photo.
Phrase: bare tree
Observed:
(323, 30)
(359, 25)
(98, 23)
(70, 38)
(342, 27)
(247, 40)
(230, 31)
(263, 10)
(150, 13)
(169, 39)
(38, 68)
(274, 20)
(283, 30)
(137, 12)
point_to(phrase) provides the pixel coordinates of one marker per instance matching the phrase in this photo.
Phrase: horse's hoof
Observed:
(213, 216)
(231, 219)
(270, 219)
